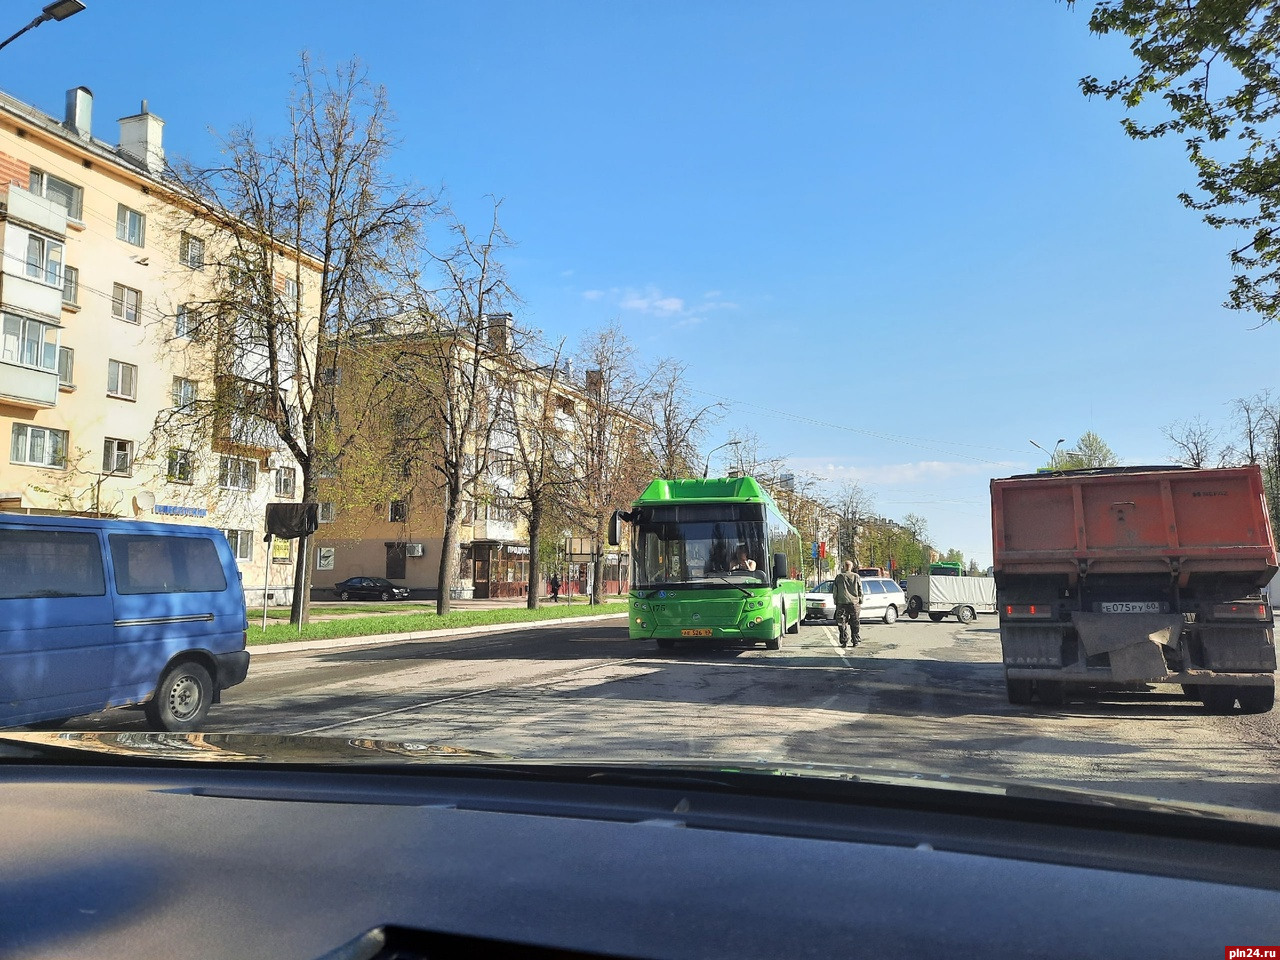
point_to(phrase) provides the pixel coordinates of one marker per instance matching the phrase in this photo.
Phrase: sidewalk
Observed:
(297, 646)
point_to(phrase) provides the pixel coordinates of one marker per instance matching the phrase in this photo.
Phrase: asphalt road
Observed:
(913, 697)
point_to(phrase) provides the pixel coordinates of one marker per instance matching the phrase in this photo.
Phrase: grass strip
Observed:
(418, 622)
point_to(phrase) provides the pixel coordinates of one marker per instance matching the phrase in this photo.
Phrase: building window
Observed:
(241, 543)
(38, 446)
(122, 379)
(191, 251)
(399, 512)
(285, 481)
(70, 285)
(29, 343)
(44, 260)
(186, 321)
(180, 470)
(237, 474)
(184, 393)
(117, 456)
(126, 303)
(64, 194)
(66, 366)
(331, 376)
(327, 513)
(131, 226)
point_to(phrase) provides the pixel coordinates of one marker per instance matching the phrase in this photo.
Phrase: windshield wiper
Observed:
(738, 585)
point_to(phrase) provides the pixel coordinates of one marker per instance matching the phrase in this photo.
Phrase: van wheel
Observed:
(965, 614)
(181, 700)
(344, 595)
(935, 616)
(1256, 699)
(891, 614)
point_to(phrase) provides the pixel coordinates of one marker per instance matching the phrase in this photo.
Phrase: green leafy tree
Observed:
(1213, 65)
(1089, 452)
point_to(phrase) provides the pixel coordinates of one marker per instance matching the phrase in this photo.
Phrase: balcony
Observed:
(27, 386)
(33, 211)
(493, 530)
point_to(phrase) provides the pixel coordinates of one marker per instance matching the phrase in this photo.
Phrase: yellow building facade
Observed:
(97, 343)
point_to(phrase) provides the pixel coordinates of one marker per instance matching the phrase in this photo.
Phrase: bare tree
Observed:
(609, 424)
(292, 237)
(677, 425)
(852, 503)
(459, 341)
(532, 441)
(1194, 442)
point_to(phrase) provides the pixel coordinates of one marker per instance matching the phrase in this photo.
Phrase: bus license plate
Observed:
(1146, 606)
(695, 633)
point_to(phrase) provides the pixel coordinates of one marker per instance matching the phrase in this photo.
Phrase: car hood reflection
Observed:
(232, 748)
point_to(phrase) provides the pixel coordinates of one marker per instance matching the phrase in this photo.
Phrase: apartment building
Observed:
(101, 261)
(400, 535)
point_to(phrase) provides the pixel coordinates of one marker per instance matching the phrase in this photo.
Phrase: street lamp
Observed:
(707, 466)
(1043, 450)
(57, 10)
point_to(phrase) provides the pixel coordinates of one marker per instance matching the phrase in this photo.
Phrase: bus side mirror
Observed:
(615, 529)
(779, 567)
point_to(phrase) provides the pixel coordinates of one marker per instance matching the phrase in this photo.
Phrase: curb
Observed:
(378, 639)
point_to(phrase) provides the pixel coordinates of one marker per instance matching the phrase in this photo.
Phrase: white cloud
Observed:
(686, 322)
(566, 273)
(651, 301)
(592, 294)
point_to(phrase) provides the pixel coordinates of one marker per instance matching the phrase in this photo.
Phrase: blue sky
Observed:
(895, 236)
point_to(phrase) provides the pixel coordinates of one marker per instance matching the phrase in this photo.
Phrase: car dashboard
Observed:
(135, 859)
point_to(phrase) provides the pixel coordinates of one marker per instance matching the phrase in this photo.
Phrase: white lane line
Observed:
(839, 649)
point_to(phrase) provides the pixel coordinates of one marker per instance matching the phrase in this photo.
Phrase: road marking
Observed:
(839, 649)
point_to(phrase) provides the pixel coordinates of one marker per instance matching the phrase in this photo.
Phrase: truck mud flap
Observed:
(1031, 645)
(1237, 647)
(1133, 641)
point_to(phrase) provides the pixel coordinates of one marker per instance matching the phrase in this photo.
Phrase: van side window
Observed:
(152, 564)
(50, 563)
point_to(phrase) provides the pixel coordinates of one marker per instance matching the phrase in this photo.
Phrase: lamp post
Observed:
(1043, 450)
(57, 10)
(707, 466)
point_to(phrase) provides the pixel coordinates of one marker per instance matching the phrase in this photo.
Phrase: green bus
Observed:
(711, 559)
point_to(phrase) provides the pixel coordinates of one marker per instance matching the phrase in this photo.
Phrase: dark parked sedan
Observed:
(369, 588)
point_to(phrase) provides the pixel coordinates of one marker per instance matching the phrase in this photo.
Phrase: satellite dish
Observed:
(144, 500)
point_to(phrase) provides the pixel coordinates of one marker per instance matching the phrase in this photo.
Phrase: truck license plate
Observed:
(1125, 606)
(695, 633)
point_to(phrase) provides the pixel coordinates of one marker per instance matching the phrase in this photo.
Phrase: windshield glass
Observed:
(701, 545)
(517, 377)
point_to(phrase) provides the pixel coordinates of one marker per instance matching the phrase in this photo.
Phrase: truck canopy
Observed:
(1144, 520)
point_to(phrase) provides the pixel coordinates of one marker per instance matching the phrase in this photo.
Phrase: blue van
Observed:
(110, 613)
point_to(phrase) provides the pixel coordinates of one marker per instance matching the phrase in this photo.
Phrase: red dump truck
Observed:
(1123, 577)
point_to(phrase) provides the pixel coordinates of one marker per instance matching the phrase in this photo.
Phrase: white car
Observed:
(882, 599)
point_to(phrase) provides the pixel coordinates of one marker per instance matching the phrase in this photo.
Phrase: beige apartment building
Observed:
(97, 341)
(401, 538)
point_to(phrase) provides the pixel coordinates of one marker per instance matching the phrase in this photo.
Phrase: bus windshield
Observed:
(700, 545)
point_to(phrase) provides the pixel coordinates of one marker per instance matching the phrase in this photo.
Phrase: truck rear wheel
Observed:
(935, 616)
(1256, 699)
(913, 607)
(1053, 693)
(965, 614)
(1218, 698)
(1019, 691)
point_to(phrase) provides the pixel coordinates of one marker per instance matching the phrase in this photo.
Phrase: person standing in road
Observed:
(846, 590)
(554, 583)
